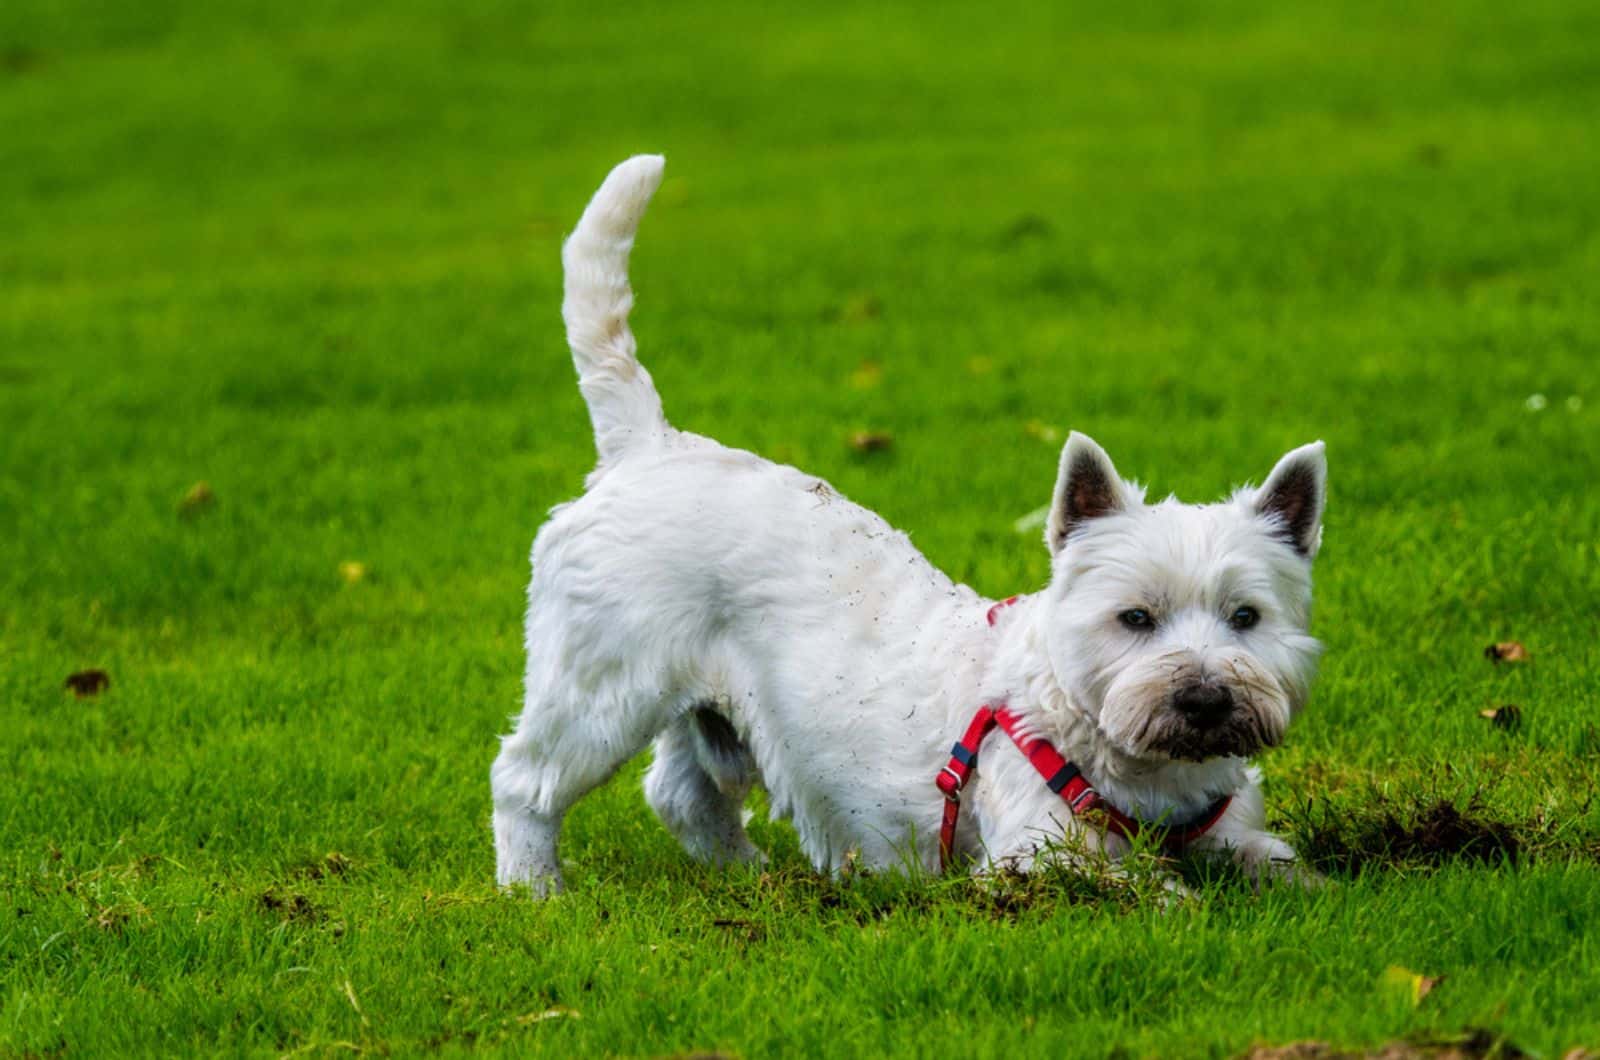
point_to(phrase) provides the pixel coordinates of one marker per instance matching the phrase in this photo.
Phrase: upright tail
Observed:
(623, 403)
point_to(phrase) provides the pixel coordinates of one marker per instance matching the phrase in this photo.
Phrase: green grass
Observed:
(308, 254)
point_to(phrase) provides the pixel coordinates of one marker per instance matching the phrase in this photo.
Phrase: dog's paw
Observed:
(536, 885)
(1290, 872)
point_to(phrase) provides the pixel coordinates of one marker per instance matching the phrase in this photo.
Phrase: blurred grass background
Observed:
(307, 254)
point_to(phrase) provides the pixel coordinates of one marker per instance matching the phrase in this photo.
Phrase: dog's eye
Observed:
(1244, 618)
(1137, 618)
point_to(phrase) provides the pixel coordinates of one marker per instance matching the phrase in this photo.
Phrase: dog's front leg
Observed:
(1078, 849)
(1242, 837)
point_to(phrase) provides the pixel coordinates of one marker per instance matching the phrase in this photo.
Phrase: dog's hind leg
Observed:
(560, 752)
(697, 785)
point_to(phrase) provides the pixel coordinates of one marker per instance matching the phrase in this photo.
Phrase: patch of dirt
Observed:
(292, 906)
(1429, 834)
(1473, 1044)
(330, 865)
(86, 683)
(743, 930)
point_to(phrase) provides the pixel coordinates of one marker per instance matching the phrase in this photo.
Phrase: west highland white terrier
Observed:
(758, 628)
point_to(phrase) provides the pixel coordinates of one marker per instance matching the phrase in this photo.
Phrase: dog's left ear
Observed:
(1293, 496)
(1087, 487)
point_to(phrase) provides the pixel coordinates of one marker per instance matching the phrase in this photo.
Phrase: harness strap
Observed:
(1060, 776)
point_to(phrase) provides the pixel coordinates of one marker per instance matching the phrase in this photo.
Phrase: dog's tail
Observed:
(623, 403)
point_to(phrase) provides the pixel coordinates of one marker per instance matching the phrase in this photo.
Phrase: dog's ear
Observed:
(1293, 497)
(1087, 487)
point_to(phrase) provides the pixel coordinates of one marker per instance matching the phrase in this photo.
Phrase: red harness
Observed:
(1060, 776)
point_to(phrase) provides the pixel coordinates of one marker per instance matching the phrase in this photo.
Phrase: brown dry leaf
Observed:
(871, 441)
(1508, 716)
(198, 499)
(352, 571)
(86, 683)
(1506, 651)
(1413, 985)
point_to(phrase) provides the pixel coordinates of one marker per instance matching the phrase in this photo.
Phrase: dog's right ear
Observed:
(1087, 487)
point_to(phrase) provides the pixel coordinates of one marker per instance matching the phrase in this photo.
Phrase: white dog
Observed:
(758, 627)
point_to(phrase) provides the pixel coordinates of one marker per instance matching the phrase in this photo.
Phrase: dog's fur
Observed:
(758, 627)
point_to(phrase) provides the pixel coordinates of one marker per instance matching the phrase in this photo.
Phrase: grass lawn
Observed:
(307, 254)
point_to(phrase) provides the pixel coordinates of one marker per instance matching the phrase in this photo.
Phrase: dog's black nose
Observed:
(1203, 705)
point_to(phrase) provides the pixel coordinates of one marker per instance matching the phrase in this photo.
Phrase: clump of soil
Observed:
(1430, 834)
(1475, 1044)
(292, 906)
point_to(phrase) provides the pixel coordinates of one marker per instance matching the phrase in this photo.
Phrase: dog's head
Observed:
(1182, 629)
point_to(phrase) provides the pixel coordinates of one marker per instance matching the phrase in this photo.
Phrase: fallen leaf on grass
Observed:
(1507, 717)
(1413, 985)
(352, 571)
(197, 500)
(1506, 651)
(871, 441)
(86, 683)
(560, 1012)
